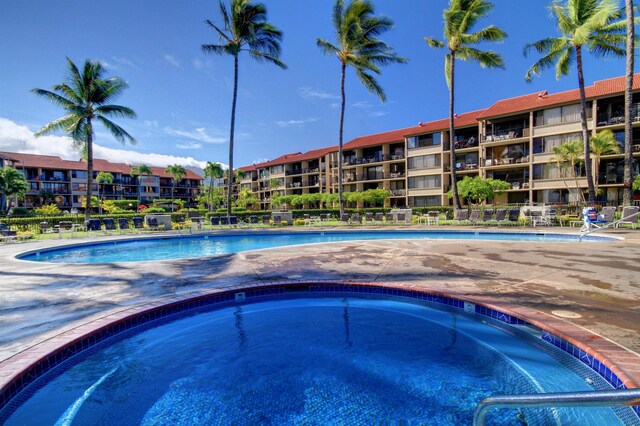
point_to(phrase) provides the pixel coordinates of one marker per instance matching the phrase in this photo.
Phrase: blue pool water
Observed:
(212, 245)
(309, 361)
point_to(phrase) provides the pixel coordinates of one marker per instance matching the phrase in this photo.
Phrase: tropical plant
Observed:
(102, 179)
(12, 184)
(212, 171)
(357, 45)
(245, 29)
(478, 189)
(375, 197)
(47, 210)
(589, 24)
(46, 195)
(570, 153)
(636, 183)
(139, 171)
(246, 198)
(459, 21)
(627, 194)
(604, 143)
(178, 173)
(85, 97)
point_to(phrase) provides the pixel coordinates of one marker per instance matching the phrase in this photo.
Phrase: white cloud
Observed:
(334, 105)
(302, 122)
(172, 60)
(362, 104)
(18, 138)
(308, 92)
(108, 65)
(189, 145)
(260, 160)
(199, 134)
(124, 61)
(378, 113)
(199, 64)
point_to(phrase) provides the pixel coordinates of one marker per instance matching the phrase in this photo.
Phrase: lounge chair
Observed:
(487, 215)
(45, 228)
(277, 220)
(461, 215)
(153, 224)
(475, 216)
(253, 220)
(123, 224)
(388, 217)
(379, 217)
(400, 217)
(344, 218)
(215, 221)
(629, 216)
(368, 217)
(233, 221)
(266, 219)
(608, 213)
(501, 215)
(138, 224)
(224, 221)
(93, 225)
(109, 224)
(514, 217)
(355, 218)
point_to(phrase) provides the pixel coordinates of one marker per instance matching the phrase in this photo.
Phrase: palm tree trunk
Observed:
(340, 199)
(452, 151)
(233, 123)
(87, 205)
(628, 103)
(585, 131)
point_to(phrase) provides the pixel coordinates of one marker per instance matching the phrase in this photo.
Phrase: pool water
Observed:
(211, 245)
(309, 361)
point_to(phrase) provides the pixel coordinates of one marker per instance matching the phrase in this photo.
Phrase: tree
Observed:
(589, 24)
(102, 179)
(628, 105)
(459, 21)
(375, 197)
(246, 198)
(636, 183)
(86, 97)
(570, 153)
(244, 30)
(212, 171)
(478, 189)
(357, 45)
(141, 170)
(12, 183)
(604, 143)
(177, 172)
(46, 196)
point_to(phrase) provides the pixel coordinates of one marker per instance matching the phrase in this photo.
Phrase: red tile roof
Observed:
(292, 158)
(540, 100)
(159, 171)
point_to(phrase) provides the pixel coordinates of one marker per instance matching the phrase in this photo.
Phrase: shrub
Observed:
(298, 222)
(152, 210)
(48, 210)
(19, 211)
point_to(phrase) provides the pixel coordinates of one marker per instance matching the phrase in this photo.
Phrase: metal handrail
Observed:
(609, 398)
(608, 225)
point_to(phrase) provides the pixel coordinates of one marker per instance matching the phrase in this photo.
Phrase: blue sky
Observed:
(183, 97)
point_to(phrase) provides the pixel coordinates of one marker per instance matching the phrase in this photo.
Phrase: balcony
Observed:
(617, 117)
(610, 179)
(398, 192)
(49, 178)
(505, 161)
(506, 134)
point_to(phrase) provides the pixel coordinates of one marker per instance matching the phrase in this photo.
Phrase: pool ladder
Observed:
(608, 398)
(607, 225)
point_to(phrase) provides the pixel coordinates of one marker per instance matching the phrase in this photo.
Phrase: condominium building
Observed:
(64, 183)
(511, 140)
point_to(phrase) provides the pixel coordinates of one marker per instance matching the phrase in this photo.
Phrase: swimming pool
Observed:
(144, 249)
(324, 360)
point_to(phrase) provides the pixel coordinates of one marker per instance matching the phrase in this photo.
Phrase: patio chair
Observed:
(224, 221)
(253, 220)
(93, 225)
(109, 224)
(388, 217)
(45, 228)
(433, 217)
(608, 213)
(233, 221)
(378, 217)
(355, 218)
(629, 216)
(344, 218)
(153, 224)
(535, 217)
(501, 215)
(400, 217)
(368, 217)
(277, 220)
(138, 224)
(266, 219)
(123, 224)
(475, 216)
(487, 215)
(514, 217)
(461, 215)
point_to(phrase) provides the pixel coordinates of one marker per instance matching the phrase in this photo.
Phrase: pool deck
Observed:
(599, 281)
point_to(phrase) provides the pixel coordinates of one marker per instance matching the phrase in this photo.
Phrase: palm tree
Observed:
(177, 172)
(357, 45)
(604, 143)
(141, 170)
(85, 97)
(591, 24)
(12, 183)
(571, 153)
(245, 29)
(628, 105)
(103, 178)
(459, 21)
(212, 171)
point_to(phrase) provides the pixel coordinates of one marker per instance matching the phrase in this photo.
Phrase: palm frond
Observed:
(115, 110)
(264, 57)
(326, 47)
(602, 15)
(432, 42)
(447, 69)
(490, 33)
(60, 124)
(554, 52)
(564, 62)
(118, 132)
(225, 49)
(486, 59)
(371, 84)
(54, 98)
(221, 33)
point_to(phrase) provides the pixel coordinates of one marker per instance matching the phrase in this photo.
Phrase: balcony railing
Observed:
(505, 161)
(610, 179)
(398, 192)
(617, 117)
(506, 134)
(53, 178)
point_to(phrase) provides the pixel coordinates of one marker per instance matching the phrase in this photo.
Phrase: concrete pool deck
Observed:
(600, 281)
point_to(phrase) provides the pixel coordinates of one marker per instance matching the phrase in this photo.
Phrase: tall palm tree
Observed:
(245, 29)
(604, 143)
(570, 153)
(459, 21)
(12, 183)
(102, 179)
(85, 96)
(357, 45)
(212, 171)
(589, 24)
(628, 105)
(178, 173)
(139, 171)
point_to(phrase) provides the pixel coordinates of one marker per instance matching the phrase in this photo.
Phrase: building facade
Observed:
(512, 140)
(53, 180)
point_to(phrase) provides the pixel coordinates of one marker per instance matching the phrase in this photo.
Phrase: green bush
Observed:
(20, 211)
(152, 210)
(48, 210)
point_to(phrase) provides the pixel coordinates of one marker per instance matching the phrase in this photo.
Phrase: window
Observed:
(424, 141)
(277, 169)
(552, 171)
(545, 145)
(433, 200)
(563, 114)
(424, 162)
(424, 182)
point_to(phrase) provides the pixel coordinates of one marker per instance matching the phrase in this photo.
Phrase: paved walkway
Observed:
(598, 281)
